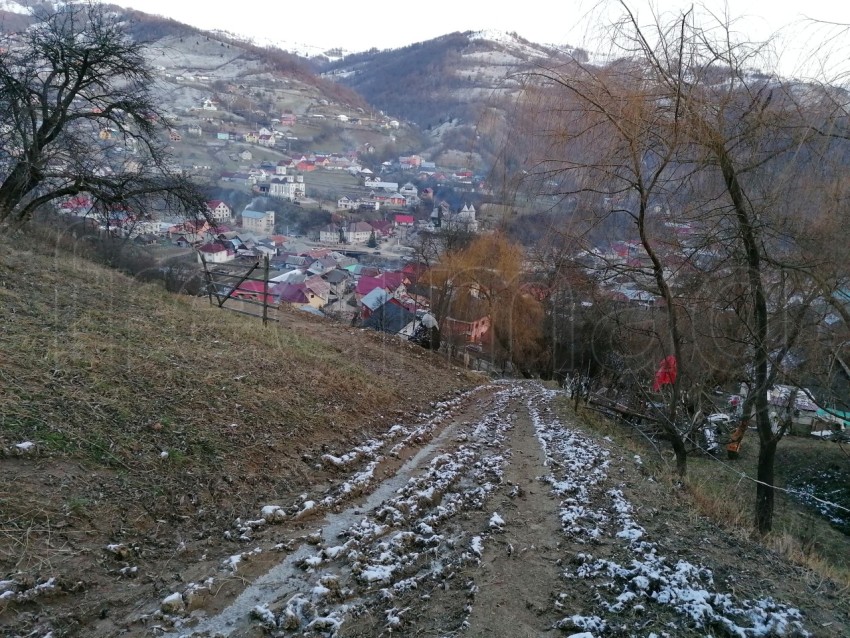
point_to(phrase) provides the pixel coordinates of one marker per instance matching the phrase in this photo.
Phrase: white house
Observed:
(463, 219)
(358, 232)
(215, 253)
(219, 211)
(346, 203)
(329, 234)
(376, 183)
(283, 166)
(409, 190)
(289, 187)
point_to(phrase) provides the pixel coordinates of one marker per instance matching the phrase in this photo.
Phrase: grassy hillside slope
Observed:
(157, 420)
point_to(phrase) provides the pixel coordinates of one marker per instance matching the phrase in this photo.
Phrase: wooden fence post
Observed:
(207, 277)
(265, 289)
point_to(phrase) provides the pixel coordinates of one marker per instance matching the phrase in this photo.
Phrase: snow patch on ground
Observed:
(645, 579)
(405, 537)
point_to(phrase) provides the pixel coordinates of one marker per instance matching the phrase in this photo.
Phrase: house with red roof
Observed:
(470, 331)
(78, 205)
(314, 291)
(393, 199)
(404, 220)
(253, 291)
(413, 271)
(382, 227)
(292, 294)
(318, 253)
(392, 282)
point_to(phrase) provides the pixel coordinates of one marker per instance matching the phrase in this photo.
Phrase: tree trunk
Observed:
(13, 189)
(676, 441)
(764, 488)
(681, 455)
(747, 228)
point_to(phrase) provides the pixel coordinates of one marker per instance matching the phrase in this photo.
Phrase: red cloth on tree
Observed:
(666, 374)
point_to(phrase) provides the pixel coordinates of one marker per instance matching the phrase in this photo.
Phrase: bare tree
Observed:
(622, 136)
(688, 120)
(80, 115)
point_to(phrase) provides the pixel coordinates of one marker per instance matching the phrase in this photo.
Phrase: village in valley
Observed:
(363, 267)
(369, 265)
(341, 230)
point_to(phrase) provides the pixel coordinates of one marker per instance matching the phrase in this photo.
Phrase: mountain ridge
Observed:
(458, 87)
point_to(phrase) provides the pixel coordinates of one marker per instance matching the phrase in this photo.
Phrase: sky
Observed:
(357, 27)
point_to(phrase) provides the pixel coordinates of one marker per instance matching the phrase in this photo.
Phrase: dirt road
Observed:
(494, 515)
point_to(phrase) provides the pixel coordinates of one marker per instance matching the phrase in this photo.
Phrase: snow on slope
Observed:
(14, 7)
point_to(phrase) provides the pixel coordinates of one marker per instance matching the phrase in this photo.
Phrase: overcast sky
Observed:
(360, 26)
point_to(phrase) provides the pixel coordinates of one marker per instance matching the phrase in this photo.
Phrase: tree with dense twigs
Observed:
(80, 117)
(690, 129)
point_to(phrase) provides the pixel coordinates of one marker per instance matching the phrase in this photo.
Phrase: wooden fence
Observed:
(229, 289)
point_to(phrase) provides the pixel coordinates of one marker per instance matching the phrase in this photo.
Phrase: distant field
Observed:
(331, 180)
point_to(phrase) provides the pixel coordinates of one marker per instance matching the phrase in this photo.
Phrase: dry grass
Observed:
(106, 375)
(724, 491)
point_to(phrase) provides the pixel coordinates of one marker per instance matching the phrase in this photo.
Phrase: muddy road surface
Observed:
(496, 514)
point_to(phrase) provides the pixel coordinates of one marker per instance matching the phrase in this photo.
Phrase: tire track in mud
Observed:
(398, 539)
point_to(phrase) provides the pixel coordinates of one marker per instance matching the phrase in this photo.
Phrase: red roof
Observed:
(194, 225)
(365, 285)
(252, 289)
(212, 248)
(251, 286)
(290, 293)
(381, 226)
(388, 280)
(215, 203)
(317, 253)
(78, 201)
(404, 219)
